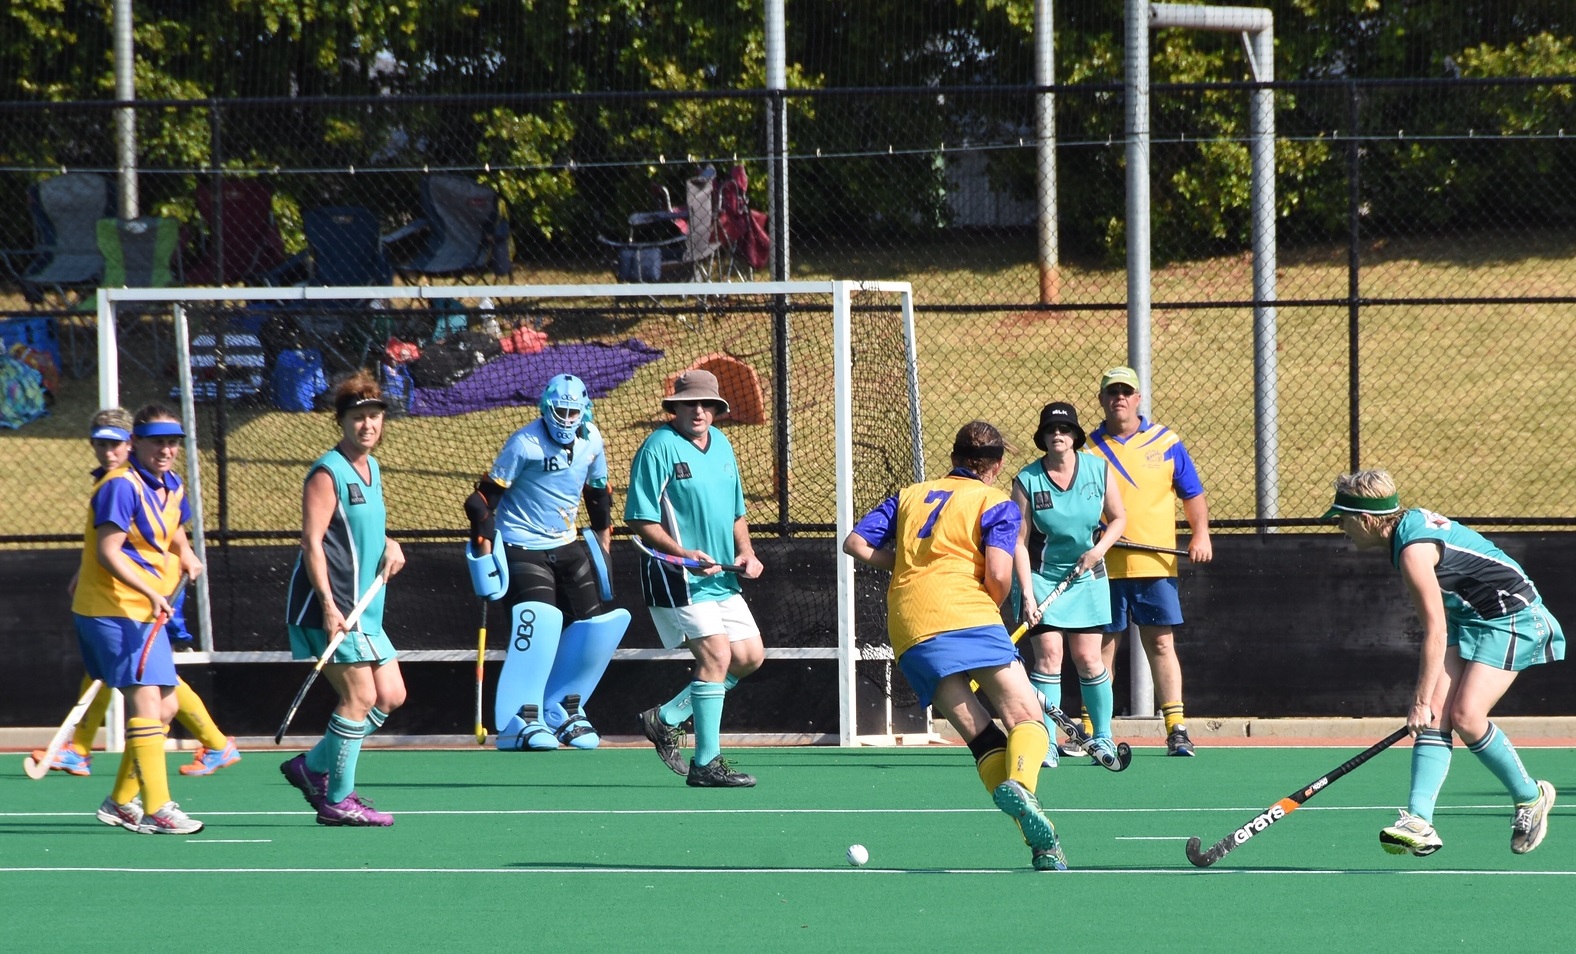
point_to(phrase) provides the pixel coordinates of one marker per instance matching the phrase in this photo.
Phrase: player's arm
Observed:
(999, 528)
(317, 509)
(479, 509)
(744, 550)
(181, 546)
(1417, 569)
(1113, 517)
(868, 541)
(1195, 507)
(1020, 558)
(111, 556)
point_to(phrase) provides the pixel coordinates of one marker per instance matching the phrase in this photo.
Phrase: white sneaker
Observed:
(1531, 822)
(1410, 834)
(1072, 749)
(127, 816)
(169, 820)
(1052, 759)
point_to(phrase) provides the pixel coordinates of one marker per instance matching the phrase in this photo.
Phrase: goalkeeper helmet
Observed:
(566, 408)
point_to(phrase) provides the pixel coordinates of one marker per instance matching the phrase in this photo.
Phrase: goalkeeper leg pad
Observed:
(584, 651)
(533, 645)
(489, 572)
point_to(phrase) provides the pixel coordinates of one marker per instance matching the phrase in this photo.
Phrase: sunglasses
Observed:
(1062, 429)
(1119, 390)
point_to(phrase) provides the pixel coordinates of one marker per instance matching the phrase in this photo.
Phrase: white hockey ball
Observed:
(857, 855)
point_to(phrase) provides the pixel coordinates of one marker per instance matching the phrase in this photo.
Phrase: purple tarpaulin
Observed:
(517, 380)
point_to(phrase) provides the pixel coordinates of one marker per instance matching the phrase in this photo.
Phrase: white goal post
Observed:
(687, 314)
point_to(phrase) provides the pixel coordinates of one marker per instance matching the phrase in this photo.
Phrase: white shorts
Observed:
(679, 624)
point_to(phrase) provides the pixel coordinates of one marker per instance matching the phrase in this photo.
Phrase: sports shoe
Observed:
(312, 785)
(718, 773)
(208, 761)
(169, 820)
(667, 738)
(67, 760)
(1411, 834)
(353, 812)
(1177, 742)
(1052, 759)
(1038, 832)
(1531, 822)
(127, 816)
(1072, 749)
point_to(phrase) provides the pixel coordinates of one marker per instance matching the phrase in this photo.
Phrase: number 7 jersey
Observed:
(940, 530)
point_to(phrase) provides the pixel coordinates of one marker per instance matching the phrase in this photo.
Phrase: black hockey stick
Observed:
(1287, 805)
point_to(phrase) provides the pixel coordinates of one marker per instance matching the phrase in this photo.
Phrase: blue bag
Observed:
(298, 379)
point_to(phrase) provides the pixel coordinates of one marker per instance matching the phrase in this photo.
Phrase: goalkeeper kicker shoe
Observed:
(577, 732)
(526, 732)
(127, 816)
(169, 820)
(717, 773)
(208, 761)
(1410, 834)
(68, 760)
(667, 738)
(1531, 822)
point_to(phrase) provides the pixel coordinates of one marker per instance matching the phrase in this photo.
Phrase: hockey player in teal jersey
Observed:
(344, 546)
(1483, 622)
(686, 499)
(1064, 496)
(524, 550)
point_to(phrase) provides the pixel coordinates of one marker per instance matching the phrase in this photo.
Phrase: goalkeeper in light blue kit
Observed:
(524, 551)
(1483, 622)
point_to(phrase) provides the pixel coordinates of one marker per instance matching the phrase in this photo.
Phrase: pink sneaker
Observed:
(353, 812)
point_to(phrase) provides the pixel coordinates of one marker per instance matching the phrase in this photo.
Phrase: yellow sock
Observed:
(992, 767)
(92, 720)
(1027, 745)
(125, 787)
(194, 716)
(1088, 723)
(145, 745)
(1173, 713)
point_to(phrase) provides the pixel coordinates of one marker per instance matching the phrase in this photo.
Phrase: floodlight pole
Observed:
(1045, 155)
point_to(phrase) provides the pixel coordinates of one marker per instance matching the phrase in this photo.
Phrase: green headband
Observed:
(1351, 503)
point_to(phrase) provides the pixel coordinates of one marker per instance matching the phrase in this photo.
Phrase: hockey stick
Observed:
(1287, 805)
(481, 659)
(1123, 756)
(685, 562)
(328, 652)
(38, 768)
(153, 629)
(1148, 548)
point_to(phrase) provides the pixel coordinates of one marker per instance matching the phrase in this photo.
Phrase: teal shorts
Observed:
(356, 647)
(1513, 643)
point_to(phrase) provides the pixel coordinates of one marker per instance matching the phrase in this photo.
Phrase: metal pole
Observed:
(1266, 414)
(1045, 154)
(777, 184)
(125, 117)
(183, 366)
(1141, 685)
(1354, 200)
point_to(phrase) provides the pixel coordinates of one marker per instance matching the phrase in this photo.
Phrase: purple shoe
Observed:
(353, 812)
(313, 785)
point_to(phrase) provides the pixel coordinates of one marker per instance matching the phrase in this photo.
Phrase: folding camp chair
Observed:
(746, 244)
(243, 241)
(65, 259)
(347, 249)
(139, 253)
(672, 243)
(467, 229)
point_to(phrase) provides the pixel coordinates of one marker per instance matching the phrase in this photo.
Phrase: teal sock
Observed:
(1430, 764)
(1098, 702)
(375, 719)
(336, 754)
(1051, 688)
(706, 698)
(677, 709)
(1499, 756)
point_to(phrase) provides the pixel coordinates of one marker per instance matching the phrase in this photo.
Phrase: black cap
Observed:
(1059, 412)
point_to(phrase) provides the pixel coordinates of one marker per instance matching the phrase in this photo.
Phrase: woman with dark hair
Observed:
(344, 549)
(950, 545)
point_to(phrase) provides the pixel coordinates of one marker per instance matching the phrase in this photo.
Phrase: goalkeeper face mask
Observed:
(566, 408)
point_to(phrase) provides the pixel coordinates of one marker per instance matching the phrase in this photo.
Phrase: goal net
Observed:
(822, 384)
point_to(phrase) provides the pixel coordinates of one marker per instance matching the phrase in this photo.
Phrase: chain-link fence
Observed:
(1425, 254)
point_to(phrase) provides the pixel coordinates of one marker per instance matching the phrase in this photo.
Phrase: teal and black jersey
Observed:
(1477, 577)
(353, 546)
(696, 496)
(1061, 528)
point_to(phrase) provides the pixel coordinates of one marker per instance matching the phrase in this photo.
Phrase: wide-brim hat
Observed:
(695, 385)
(1059, 412)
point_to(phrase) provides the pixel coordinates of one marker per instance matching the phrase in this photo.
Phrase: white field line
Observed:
(839, 869)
